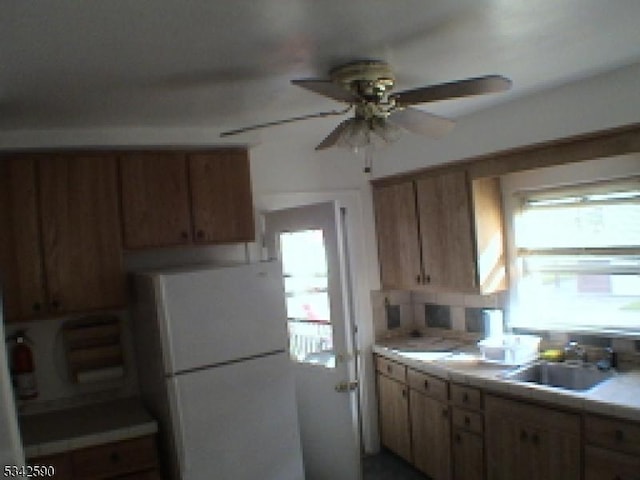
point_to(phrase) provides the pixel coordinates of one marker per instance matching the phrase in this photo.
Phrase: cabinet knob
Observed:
(55, 304)
(36, 307)
(114, 457)
(389, 369)
(458, 438)
(184, 235)
(619, 434)
(465, 397)
(445, 412)
(467, 420)
(200, 234)
(426, 384)
(427, 279)
(523, 436)
(404, 393)
(418, 278)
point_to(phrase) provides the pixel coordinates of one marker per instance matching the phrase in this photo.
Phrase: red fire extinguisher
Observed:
(23, 368)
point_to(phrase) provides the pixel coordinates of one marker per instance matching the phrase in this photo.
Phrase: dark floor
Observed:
(387, 466)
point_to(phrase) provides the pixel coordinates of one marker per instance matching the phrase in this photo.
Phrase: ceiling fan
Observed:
(379, 114)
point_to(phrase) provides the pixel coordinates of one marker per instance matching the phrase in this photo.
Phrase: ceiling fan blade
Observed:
(420, 122)
(334, 136)
(237, 131)
(327, 88)
(458, 89)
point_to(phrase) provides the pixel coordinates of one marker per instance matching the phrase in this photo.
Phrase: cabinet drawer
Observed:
(601, 464)
(115, 458)
(467, 420)
(428, 384)
(391, 369)
(612, 433)
(467, 397)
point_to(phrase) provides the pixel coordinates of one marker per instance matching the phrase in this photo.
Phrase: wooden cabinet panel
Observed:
(115, 459)
(489, 239)
(221, 196)
(428, 385)
(468, 456)
(601, 464)
(21, 269)
(397, 233)
(612, 433)
(430, 436)
(80, 232)
(468, 420)
(446, 232)
(60, 462)
(393, 407)
(391, 369)
(155, 199)
(531, 442)
(467, 397)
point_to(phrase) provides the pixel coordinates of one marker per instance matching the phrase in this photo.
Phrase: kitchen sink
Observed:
(576, 377)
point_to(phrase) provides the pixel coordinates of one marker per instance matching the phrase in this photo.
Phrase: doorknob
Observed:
(343, 387)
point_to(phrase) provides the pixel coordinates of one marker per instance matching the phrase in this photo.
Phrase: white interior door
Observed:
(309, 242)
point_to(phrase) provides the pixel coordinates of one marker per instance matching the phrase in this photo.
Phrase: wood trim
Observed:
(587, 146)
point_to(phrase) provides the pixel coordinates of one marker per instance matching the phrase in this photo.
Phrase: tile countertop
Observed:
(64, 430)
(618, 396)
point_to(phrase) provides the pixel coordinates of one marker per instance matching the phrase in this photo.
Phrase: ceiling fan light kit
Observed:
(380, 115)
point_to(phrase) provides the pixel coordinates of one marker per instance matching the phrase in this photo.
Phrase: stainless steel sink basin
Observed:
(561, 375)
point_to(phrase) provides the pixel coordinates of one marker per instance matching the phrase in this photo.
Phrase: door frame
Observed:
(362, 278)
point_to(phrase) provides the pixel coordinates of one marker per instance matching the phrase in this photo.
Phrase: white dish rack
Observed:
(509, 349)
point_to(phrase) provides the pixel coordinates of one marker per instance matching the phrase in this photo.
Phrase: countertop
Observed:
(618, 396)
(64, 430)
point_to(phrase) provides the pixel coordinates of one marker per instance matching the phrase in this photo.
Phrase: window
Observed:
(305, 269)
(577, 253)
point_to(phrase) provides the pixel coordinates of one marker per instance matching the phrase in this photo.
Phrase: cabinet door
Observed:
(81, 232)
(221, 196)
(528, 441)
(430, 436)
(21, 271)
(155, 199)
(393, 406)
(446, 232)
(61, 464)
(468, 456)
(397, 233)
(602, 464)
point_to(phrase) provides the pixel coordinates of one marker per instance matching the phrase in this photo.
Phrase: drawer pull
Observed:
(535, 439)
(458, 438)
(404, 393)
(184, 235)
(467, 421)
(426, 384)
(523, 436)
(389, 369)
(465, 397)
(37, 307)
(114, 457)
(445, 412)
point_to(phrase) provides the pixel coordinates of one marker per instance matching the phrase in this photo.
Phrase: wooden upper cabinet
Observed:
(221, 196)
(155, 199)
(397, 233)
(446, 231)
(21, 273)
(80, 231)
(178, 198)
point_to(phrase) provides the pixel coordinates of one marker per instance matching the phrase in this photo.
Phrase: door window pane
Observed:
(304, 262)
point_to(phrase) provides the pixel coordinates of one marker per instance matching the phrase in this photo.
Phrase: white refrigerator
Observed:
(11, 452)
(214, 368)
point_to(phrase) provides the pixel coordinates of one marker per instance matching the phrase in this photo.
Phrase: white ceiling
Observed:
(224, 64)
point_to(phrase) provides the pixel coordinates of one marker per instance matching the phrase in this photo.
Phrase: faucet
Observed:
(573, 351)
(608, 361)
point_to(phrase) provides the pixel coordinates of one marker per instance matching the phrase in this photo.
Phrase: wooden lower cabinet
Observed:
(526, 441)
(393, 405)
(430, 435)
(467, 449)
(603, 464)
(134, 459)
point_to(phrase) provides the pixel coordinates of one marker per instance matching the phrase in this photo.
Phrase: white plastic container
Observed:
(510, 349)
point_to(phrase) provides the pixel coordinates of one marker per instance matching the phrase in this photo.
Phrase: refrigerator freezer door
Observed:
(213, 316)
(238, 421)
